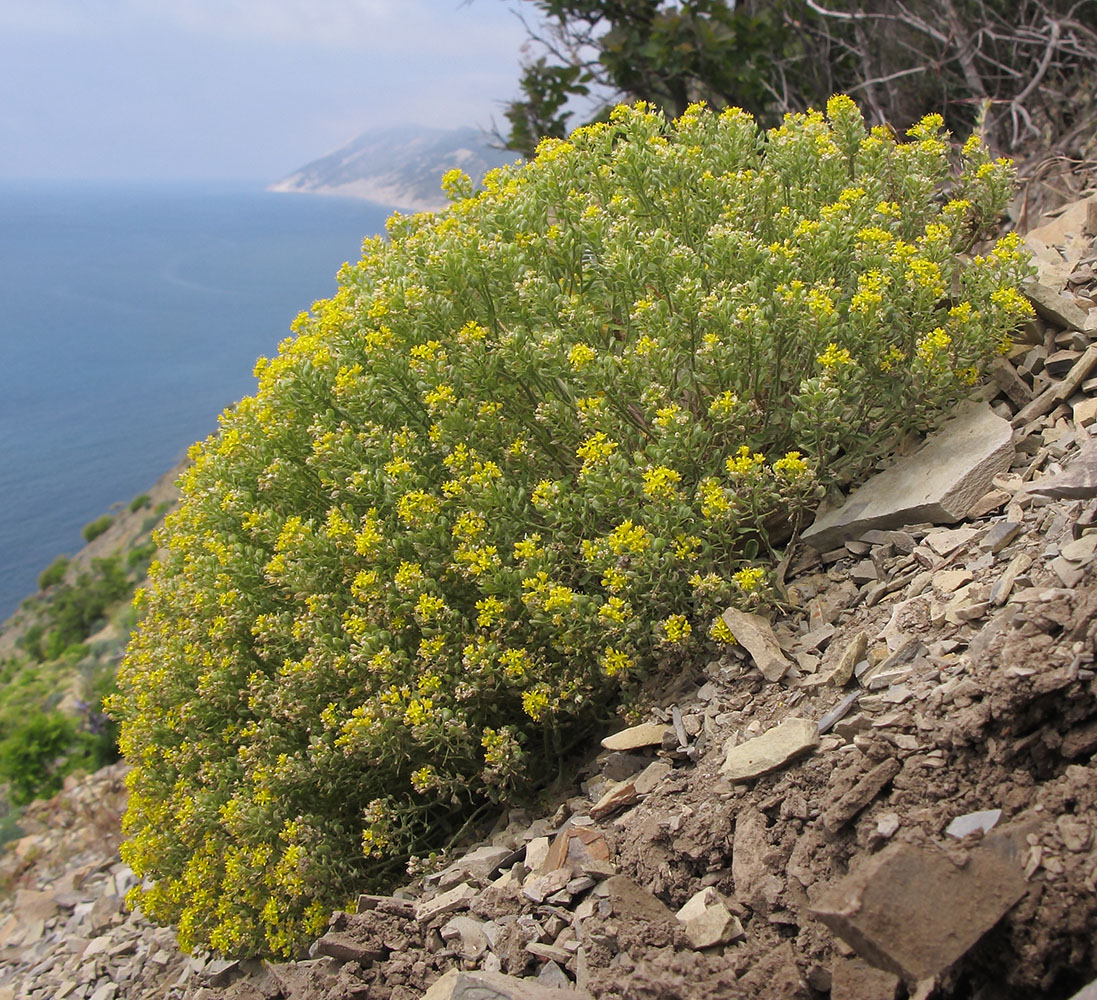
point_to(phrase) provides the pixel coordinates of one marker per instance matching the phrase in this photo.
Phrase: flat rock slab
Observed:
(447, 902)
(1055, 306)
(650, 734)
(939, 483)
(773, 749)
(913, 911)
(457, 985)
(755, 635)
(1078, 481)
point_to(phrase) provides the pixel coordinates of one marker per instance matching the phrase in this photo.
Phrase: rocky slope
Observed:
(885, 792)
(398, 166)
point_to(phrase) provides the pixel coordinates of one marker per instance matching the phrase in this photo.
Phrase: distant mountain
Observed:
(400, 166)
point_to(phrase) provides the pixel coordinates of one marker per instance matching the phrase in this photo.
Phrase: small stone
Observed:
(950, 539)
(1078, 481)
(888, 825)
(574, 846)
(773, 749)
(708, 921)
(537, 853)
(1000, 535)
(965, 611)
(619, 765)
(1074, 832)
(97, 946)
(851, 655)
(616, 798)
(646, 735)
(860, 795)
(467, 937)
(988, 503)
(548, 952)
(537, 888)
(984, 821)
(755, 635)
(458, 985)
(864, 571)
(1080, 549)
(1054, 306)
(646, 781)
(1068, 572)
(456, 898)
(1085, 412)
(1001, 590)
(220, 971)
(553, 977)
(482, 862)
(946, 581)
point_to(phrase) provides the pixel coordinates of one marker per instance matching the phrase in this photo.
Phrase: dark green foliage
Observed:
(53, 573)
(93, 529)
(32, 757)
(1020, 70)
(138, 558)
(36, 754)
(76, 609)
(547, 90)
(668, 54)
(142, 500)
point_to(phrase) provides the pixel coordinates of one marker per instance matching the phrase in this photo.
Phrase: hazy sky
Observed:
(237, 88)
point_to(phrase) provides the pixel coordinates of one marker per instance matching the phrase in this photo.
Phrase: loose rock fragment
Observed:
(1055, 306)
(755, 635)
(346, 947)
(574, 847)
(646, 735)
(860, 795)
(618, 797)
(983, 821)
(708, 921)
(939, 483)
(457, 985)
(914, 912)
(852, 654)
(1019, 564)
(456, 898)
(755, 882)
(466, 936)
(773, 749)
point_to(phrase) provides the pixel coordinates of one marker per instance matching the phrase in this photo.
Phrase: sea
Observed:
(131, 315)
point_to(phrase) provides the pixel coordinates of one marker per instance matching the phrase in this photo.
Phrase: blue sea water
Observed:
(130, 316)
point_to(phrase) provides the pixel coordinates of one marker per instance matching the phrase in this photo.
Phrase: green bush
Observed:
(139, 557)
(32, 756)
(93, 529)
(53, 573)
(37, 753)
(76, 609)
(519, 463)
(139, 501)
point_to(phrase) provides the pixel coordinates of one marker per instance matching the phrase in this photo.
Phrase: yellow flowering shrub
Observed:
(521, 460)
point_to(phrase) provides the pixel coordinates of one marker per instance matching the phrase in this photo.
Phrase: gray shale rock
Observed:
(939, 483)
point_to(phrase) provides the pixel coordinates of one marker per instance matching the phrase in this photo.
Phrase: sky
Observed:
(238, 89)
